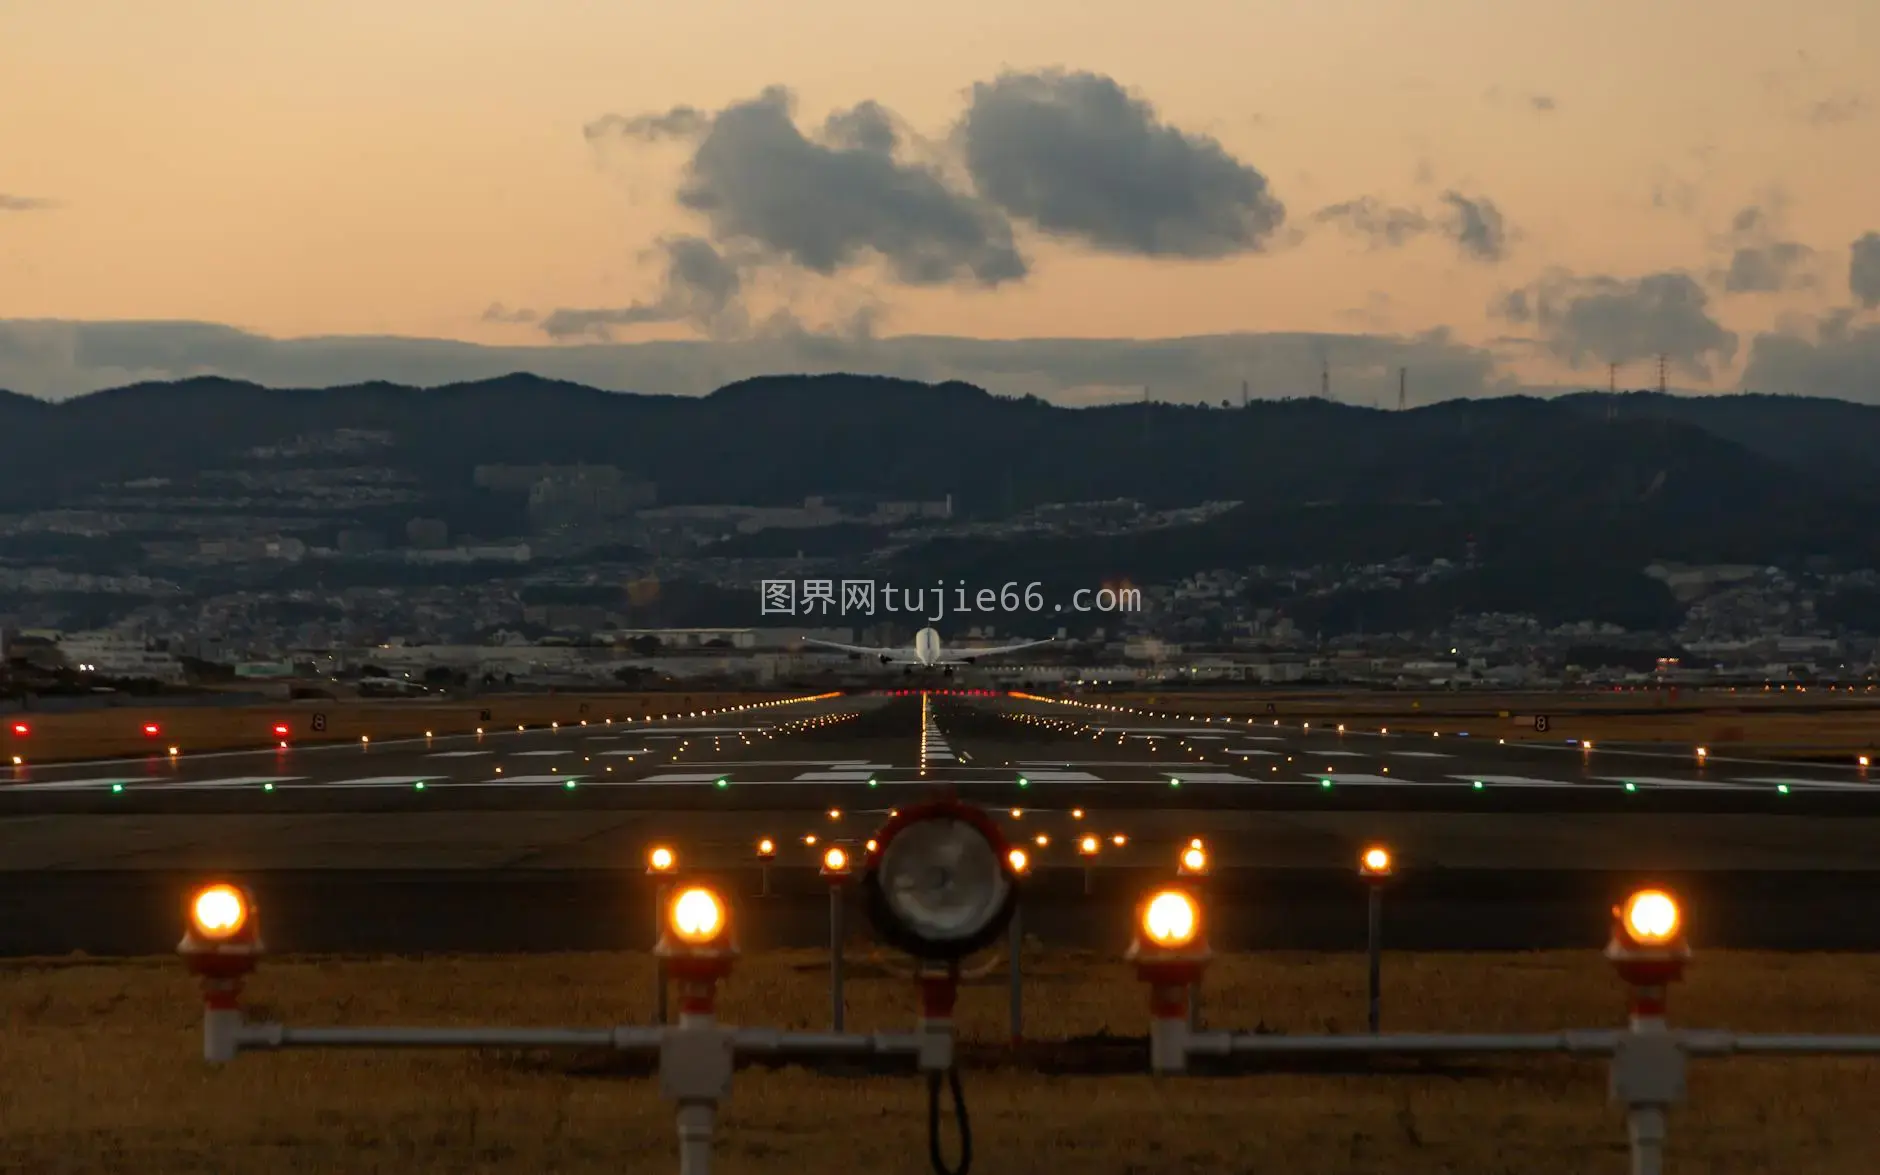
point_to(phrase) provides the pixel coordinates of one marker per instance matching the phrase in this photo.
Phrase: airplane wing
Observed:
(967, 656)
(888, 656)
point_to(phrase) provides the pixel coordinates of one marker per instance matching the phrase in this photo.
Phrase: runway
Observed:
(534, 840)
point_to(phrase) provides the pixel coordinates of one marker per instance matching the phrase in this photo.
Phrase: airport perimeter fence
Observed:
(940, 923)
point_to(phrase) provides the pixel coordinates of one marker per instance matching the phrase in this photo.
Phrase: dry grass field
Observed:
(100, 1072)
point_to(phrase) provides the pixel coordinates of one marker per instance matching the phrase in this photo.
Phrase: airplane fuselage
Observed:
(927, 647)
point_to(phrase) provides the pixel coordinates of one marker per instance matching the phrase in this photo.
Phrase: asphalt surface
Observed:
(535, 840)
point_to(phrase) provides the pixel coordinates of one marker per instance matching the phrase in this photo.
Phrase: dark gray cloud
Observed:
(1477, 226)
(1840, 360)
(24, 203)
(678, 122)
(1079, 156)
(1385, 226)
(701, 286)
(1586, 320)
(497, 312)
(1835, 109)
(828, 204)
(58, 359)
(1767, 269)
(1863, 271)
(1761, 261)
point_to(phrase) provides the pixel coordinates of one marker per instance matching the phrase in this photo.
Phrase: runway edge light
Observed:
(1375, 863)
(221, 945)
(1648, 949)
(1170, 951)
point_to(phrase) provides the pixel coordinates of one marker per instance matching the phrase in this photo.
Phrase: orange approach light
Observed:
(1375, 862)
(1018, 860)
(766, 849)
(835, 862)
(218, 912)
(1651, 918)
(661, 860)
(1170, 920)
(1194, 860)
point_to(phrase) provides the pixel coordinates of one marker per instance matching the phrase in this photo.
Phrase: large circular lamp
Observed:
(939, 883)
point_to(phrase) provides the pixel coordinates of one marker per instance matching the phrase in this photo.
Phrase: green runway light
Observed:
(418, 786)
(1325, 783)
(569, 785)
(1783, 788)
(873, 782)
(1023, 782)
(723, 782)
(1630, 786)
(1174, 782)
(1478, 785)
(267, 787)
(117, 787)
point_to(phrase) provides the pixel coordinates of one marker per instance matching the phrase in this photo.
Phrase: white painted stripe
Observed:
(68, 784)
(507, 780)
(240, 781)
(1656, 781)
(1419, 754)
(1339, 780)
(381, 781)
(1251, 751)
(682, 777)
(632, 751)
(1519, 781)
(1208, 777)
(1051, 776)
(1329, 754)
(833, 777)
(1819, 784)
(541, 754)
(458, 754)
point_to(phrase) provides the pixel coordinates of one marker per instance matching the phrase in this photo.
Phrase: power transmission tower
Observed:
(1661, 375)
(1325, 380)
(1403, 387)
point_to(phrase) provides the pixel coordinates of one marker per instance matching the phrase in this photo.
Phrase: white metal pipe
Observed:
(221, 1034)
(1790, 1044)
(1222, 1043)
(1645, 1126)
(279, 1036)
(695, 1137)
(765, 1040)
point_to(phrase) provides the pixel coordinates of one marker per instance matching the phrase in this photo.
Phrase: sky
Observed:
(1072, 198)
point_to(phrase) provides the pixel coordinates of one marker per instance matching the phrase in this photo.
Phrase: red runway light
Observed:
(151, 729)
(280, 728)
(21, 729)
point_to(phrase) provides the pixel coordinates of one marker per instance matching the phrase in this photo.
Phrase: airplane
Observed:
(927, 651)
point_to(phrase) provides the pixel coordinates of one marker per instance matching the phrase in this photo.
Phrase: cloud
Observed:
(497, 312)
(1542, 102)
(1835, 110)
(1602, 319)
(57, 359)
(1863, 271)
(1079, 156)
(1840, 360)
(1761, 262)
(1383, 225)
(701, 286)
(24, 203)
(1767, 269)
(829, 203)
(1477, 226)
(678, 122)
